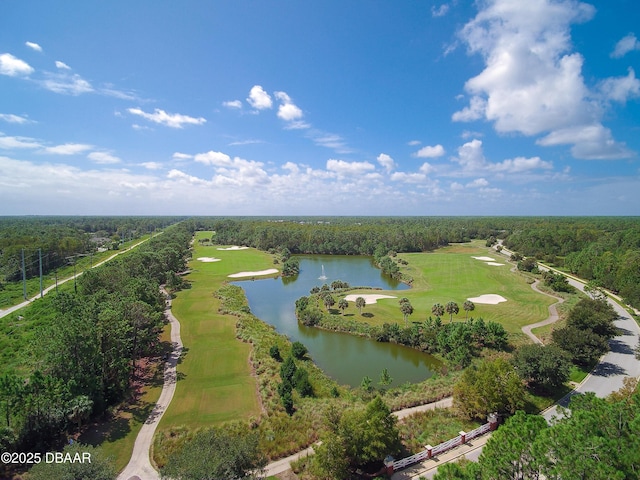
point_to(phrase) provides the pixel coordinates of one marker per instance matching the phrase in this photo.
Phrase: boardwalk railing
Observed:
(431, 452)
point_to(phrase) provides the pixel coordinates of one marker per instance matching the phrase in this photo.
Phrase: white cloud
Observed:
(11, 118)
(175, 120)
(627, 44)
(426, 168)
(590, 142)
(66, 84)
(532, 82)
(68, 149)
(12, 143)
(33, 46)
(405, 177)
(440, 11)
(620, 89)
(217, 159)
(62, 66)
(477, 183)
(235, 104)
(330, 140)
(430, 152)
(259, 99)
(14, 67)
(152, 165)
(471, 158)
(386, 161)
(349, 168)
(103, 158)
(181, 156)
(414, 143)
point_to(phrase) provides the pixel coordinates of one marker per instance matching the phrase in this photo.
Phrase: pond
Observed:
(346, 358)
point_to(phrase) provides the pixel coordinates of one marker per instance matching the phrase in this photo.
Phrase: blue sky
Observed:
(498, 107)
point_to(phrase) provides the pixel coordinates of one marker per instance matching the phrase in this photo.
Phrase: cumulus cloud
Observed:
(386, 161)
(181, 156)
(471, 158)
(14, 67)
(627, 44)
(532, 82)
(478, 182)
(217, 159)
(408, 177)
(33, 46)
(620, 89)
(430, 152)
(341, 167)
(590, 142)
(152, 165)
(259, 99)
(103, 158)
(175, 120)
(68, 149)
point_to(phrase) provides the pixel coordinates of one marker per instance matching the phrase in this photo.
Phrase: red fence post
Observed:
(463, 437)
(493, 421)
(429, 449)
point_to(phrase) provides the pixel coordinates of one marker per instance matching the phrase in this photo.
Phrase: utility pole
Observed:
(40, 258)
(24, 277)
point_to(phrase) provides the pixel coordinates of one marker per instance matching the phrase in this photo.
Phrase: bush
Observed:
(298, 350)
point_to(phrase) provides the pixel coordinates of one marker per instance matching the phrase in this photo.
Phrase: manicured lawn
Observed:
(215, 379)
(451, 274)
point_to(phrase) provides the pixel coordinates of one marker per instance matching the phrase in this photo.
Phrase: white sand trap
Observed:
(488, 299)
(495, 264)
(235, 247)
(368, 298)
(209, 259)
(485, 259)
(253, 274)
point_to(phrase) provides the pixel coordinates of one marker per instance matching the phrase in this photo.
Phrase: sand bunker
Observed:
(368, 298)
(209, 259)
(495, 264)
(488, 299)
(485, 259)
(235, 247)
(253, 274)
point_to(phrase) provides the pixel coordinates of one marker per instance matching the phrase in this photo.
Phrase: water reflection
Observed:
(344, 357)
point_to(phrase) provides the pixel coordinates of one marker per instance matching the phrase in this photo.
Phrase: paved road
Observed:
(4, 313)
(553, 315)
(140, 467)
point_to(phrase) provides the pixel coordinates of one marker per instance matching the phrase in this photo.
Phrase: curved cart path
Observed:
(553, 314)
(140, 467)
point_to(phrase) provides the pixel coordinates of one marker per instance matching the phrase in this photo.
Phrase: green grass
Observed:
(215, 378)
(451, 274)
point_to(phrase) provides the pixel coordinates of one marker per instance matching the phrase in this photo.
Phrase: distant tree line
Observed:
(84, 352)
(59, 238)
(605, 250)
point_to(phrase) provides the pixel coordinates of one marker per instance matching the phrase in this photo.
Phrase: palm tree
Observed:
(406, 308)
(452, 308)
(328, 301)
(360, 303)
(342, 305)
(437, 310)
(468, 306)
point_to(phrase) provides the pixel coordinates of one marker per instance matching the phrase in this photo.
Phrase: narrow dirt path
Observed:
(553, 314)
(140, 467)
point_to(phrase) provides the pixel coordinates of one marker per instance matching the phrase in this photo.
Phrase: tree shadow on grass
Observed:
(368, 315)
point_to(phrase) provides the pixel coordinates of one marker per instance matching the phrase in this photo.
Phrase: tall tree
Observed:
(343, 305)
(360, 303)
(437, 310)
(406, 308)
(452, 309)
(468, 306)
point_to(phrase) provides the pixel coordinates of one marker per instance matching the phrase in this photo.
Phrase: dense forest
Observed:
(605, 250)
(59, 239)
(81, 355)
